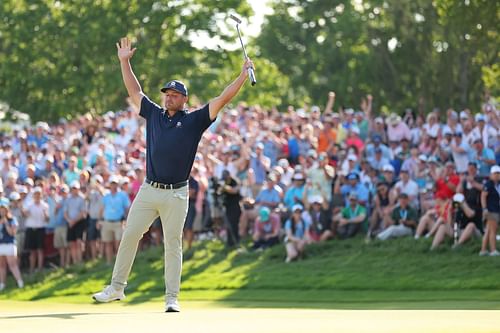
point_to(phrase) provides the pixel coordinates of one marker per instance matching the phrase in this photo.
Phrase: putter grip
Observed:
(251, 75)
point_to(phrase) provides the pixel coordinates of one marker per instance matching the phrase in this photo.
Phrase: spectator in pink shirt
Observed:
(397, 129)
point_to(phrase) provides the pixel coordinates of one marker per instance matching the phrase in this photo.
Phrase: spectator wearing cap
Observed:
(115, 206)
(270, 195)
(446, 181)
(349, 221)
(467, 219)
(388, 175)
(295, 192)
(408, 186)
(397, 129)
(353, 140)
(490, 202)
(377, 145)
(350, 164)
(37, 214)
(377, 161)
(452, 124)
(266, 230)
(224, 163)
(10, 185)
(401, 222)
(47, 169)
(288, 172)
(8, 247)
(378, 129)
(297, 234)
(483, 156)
(318, 214)
(60, 226)
(7, 167)
(75, 214)
(260, 165)
(17, 212)
(354, 186)
(460, 152)
(95, 206)
(71, 173)
(485, 131)
(321, 177)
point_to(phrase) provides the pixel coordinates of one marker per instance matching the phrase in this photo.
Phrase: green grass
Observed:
(398, 274)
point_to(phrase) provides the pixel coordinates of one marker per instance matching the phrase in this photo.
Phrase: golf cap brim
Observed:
(176, 86)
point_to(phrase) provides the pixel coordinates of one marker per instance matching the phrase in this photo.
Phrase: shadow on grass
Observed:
(57, 315)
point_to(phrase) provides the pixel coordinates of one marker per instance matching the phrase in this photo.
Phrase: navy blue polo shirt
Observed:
(172, 142)
(493, 198)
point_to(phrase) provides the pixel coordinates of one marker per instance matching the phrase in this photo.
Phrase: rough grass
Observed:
(394, 274)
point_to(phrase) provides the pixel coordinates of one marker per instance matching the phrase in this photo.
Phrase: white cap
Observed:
(315, 199)
(352, 158)
(464, 115)
(422, 157)
(349, 111)
(14, 196)
(355, 129)
(283, 163)
(114, 179)
(494, 169)
(379, 120)
(75, 184)
(388, 167)
(37, 189)
(458, 197)
(315, 109)
(297, 206)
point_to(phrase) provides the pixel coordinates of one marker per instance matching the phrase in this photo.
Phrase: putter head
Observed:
(234, 18)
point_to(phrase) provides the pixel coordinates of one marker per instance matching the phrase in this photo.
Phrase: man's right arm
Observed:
(125, 52)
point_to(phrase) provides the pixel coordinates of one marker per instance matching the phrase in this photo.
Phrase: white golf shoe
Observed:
(109, 294)
(172, 305)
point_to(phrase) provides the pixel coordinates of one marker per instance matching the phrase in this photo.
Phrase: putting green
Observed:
(204, 317)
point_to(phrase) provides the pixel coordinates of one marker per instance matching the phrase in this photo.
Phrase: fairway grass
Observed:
(55, 317)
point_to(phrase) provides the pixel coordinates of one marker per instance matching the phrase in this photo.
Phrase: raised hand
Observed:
(125, 50)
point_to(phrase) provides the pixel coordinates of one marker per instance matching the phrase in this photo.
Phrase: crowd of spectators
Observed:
(298, 176)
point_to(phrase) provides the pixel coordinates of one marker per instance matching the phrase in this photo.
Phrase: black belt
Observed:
(166, 186)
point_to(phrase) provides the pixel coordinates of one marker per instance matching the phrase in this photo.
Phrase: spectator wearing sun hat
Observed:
(266, 229)
(397, 129)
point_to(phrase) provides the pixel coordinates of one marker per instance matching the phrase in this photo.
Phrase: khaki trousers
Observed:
(150, 202)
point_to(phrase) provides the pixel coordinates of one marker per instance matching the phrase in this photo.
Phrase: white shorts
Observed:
(9, 250)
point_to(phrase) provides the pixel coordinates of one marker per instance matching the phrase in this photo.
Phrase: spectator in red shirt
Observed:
(447, 182)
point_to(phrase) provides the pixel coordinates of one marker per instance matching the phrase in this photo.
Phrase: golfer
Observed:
(172, 139)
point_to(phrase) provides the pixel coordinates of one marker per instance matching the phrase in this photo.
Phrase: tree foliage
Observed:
(58, 58)
(442, 52)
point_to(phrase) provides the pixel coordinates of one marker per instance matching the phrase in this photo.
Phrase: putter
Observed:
(251, 72)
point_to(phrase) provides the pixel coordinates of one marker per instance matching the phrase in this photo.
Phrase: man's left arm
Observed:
(231, 90)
